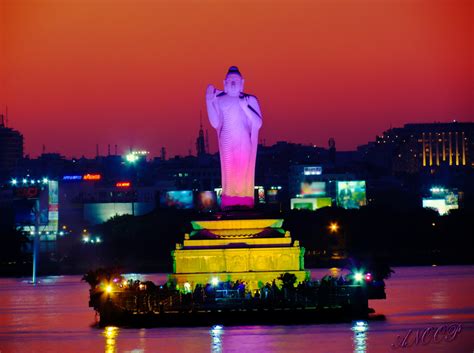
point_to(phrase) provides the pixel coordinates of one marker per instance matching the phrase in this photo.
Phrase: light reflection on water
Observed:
(110, 334)
(53, 317)
(216, 332)
(360, 329)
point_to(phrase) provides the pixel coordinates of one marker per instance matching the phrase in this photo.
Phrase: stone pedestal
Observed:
(256, 251)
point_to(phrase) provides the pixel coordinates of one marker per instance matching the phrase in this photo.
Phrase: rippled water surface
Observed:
(53, 316)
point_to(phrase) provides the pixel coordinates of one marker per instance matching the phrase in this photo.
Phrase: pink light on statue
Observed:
(237, 118)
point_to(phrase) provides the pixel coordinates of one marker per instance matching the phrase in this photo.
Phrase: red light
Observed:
(92, 177)
(368, 277)
(123, 184)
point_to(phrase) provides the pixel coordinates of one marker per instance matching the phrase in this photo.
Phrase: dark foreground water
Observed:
(53, 316)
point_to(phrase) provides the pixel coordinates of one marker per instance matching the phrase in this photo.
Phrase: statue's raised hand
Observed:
(244, 102)
(210, 93)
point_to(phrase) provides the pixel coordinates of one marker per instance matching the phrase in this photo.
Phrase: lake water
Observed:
(53, 316)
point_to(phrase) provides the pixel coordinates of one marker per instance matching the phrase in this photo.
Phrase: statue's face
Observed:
(233, 85)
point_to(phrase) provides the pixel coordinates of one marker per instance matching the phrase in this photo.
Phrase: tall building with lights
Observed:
(11, 150)
(418, 147)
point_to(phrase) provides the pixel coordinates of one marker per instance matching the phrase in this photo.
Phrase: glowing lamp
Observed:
(131, 158)
(108, 289)
(368, 277)
(333, 227)
(123, 184)
(358, 277)
(187, 287)
(215, 281)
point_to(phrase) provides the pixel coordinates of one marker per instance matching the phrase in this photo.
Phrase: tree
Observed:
(288, 280)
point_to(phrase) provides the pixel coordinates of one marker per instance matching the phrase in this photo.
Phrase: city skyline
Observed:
(78, 74)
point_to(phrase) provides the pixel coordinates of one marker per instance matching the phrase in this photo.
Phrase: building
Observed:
(423, 147)
(11, 150)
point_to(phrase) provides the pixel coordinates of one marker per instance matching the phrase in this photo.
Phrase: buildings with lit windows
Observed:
(423, 148)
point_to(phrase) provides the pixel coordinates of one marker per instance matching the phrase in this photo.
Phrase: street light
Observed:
(333, 227)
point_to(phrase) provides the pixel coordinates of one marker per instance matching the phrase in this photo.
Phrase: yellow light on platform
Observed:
(333, 227)
(108, 289)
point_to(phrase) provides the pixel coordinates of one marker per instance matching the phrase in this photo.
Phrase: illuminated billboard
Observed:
(442, 201)
(317, 170)
(302, 204)
(96, 213)
(25, 209)
(439, 205)
(313, 188)
(182, 199)
(25, 206)
(72, 177)
(308, 203)
(206, 201)
(323, 202)
(92, 177)
(351, 194)
(260, 191)
(53, 206)
(218, 192)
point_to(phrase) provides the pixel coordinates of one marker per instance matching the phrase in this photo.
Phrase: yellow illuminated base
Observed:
(254, 251)
(253, 280)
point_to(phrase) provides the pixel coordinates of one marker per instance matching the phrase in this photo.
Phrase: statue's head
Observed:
(234, 82)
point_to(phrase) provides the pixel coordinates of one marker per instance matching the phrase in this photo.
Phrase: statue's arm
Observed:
(212, 107)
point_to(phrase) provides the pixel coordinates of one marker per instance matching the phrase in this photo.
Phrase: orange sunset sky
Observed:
(75, 73)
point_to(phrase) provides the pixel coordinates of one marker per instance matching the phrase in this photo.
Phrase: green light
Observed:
(358, 277)
(131, 158)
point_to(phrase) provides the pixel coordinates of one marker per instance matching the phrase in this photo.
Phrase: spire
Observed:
(200, 141)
